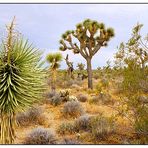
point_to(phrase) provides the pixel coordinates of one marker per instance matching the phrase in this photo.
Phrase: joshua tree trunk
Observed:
(53, 86)
(89, 71)
(8, 125)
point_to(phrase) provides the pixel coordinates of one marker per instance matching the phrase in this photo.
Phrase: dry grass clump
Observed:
(41, 136)
(66, 128)
(102, 98)
(102, 126)
(33, 116)
(72, 109)
(83, 123)
(55, 100)
(69, 83)
(82, 98)
(51, 94)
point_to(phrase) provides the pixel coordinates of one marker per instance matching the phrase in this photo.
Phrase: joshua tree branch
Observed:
(96, 49)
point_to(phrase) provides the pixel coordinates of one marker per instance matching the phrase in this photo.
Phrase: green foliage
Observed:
(21, 81)
(81, 66)
(54, 59)
(133, 55)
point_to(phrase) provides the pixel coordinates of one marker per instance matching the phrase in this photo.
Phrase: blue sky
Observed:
(43, 24)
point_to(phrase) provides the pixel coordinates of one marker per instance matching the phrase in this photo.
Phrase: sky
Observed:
(43, 25)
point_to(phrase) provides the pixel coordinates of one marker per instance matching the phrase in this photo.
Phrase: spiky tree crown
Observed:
(21, 81)
(91, 35)
(81, 66)
(54, 59)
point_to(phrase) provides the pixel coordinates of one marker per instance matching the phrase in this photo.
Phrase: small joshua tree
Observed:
(54, 60)
(91, 36)
(21, 81)
(81, 67)
(70, 68)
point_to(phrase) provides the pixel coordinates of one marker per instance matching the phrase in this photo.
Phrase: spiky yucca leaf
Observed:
(21, 83)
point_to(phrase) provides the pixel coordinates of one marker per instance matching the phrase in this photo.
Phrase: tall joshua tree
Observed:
(91, 36)
(21, 81)
(54, 60)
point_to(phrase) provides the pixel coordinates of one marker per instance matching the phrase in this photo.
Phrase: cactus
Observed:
(91, 36)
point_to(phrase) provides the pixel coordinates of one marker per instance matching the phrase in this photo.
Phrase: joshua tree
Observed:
(21, 81)
(81, 66)
(54, 60)
(90, 36)
(70, 68)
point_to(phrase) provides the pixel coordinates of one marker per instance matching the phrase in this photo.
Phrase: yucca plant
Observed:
(21, 81)
(54, 60)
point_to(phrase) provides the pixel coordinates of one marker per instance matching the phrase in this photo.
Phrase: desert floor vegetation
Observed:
(108, 105)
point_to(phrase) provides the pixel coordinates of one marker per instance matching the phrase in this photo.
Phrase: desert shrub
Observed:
(72, 109)
(105, 83)
(96, 76)
(94, 100)
(82, 98)
(70, 141)
(102, 126)
(33, 115)
(102, 98)
(102, 85)
(76, 87)
(22, 119)
(133, 56)
(55, 100)
(66, 128)
(70, 82)
(51, 94)
(99, 88)
(82, 123)
(144, 85)
(41, 136)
